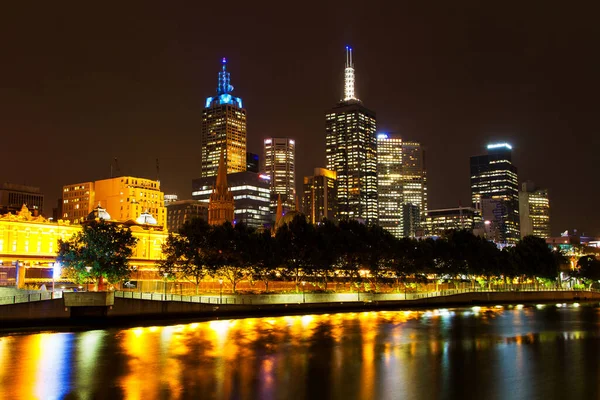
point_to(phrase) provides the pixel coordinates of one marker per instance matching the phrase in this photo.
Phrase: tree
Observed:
(296, 243)
(263, 256)
(588, 269)
(535, 259)
(187, 255)
(328, 250)
(231, 258)
(102, 247)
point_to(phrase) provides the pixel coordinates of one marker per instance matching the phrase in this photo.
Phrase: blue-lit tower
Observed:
(223, 128)
(351, 152)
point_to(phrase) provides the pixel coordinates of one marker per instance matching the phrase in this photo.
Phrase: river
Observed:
(501, 352)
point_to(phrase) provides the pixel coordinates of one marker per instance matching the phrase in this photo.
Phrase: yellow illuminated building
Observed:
(33, 240)
(125, 198)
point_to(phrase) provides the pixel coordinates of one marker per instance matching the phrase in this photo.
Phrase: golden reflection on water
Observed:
(352, 355)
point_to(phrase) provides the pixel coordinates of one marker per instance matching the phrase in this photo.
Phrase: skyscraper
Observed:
(534, 211)
(414, 187)
(223, 128)
(389, 183)
(279, 164)
(320, 195)
(351, 152)
(495, 192)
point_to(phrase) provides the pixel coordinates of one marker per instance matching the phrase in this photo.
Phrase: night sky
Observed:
(81, 85)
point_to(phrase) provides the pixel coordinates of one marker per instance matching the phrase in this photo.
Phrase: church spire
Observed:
(221, 184)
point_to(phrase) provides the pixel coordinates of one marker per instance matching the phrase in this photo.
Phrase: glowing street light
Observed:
(221, 291)
(303, 291)
(166, 274)
(88, 269)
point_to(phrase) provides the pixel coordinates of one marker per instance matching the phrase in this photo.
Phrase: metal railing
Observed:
(326, 298)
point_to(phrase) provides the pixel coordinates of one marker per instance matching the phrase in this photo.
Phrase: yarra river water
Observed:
(508, 352)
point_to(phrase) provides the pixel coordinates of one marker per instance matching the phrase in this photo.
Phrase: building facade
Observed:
(251, 197)
(182, 211)
(320, 196)
(495, 192)
(78, 201)
(351, 152)
(252, 162)
(223, 129)
(534, 211)
(220, 202)
(170, 198)
(125, 198)
(279, 160)
(389, 183)
(13, 196)
(33, 241)
(414, 187)
(439, 222)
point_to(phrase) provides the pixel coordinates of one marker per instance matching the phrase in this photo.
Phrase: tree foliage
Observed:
(102, 247)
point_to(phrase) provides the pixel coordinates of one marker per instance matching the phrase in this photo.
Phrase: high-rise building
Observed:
(78, 201)
(495, 192)
(279, 159)
(440, 222)
(223, 129)
(534, 211)
(13, 196)
(320, 196)
(220, 201)
(414, 186)
(389, 183)
(125, 198)
(182, 211)
(251, 197)
(351, 152)
(252, 162)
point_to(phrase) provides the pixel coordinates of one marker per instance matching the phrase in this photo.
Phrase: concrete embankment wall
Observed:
(44, 313)
(32, 311)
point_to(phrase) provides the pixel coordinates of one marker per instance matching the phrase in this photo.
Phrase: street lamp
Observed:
(303, 292)
(221, 291)
(88, 269)
(165, 275)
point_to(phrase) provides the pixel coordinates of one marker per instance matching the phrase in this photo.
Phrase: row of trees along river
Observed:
(321, 254)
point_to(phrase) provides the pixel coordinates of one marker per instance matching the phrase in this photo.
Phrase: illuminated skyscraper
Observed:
(223, 128)
(279, 164)
(495, 192)
(414, 187)
(320, 197)
(534, 211)
(402, 184)
(389, 183)
(351, 152)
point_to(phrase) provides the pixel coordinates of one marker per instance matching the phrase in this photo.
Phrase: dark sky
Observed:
(84, 82)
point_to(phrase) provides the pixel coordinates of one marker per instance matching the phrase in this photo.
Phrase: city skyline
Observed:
(140, 111)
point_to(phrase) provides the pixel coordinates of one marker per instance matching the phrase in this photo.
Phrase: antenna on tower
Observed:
(349, 76)
(157, 170)
(117, 169)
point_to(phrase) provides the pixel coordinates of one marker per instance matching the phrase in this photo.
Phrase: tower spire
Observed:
(224, 85)
(349, 76)
(221, 184)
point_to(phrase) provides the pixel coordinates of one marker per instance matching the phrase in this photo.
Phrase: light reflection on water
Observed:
(486, 352)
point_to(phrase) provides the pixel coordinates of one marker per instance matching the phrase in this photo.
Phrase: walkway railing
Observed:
(258, 299)
(26, 298)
